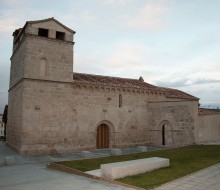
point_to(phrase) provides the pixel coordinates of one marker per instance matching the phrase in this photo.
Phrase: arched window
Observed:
(120, 100)
(43, 67)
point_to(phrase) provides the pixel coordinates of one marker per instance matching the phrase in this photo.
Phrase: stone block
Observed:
(142, 148)
(116, 151)
(129, 168)
(9, 160)
(85, 154)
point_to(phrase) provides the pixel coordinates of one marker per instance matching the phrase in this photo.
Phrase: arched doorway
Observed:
(166, 134)
(102, 138)
(163, 134)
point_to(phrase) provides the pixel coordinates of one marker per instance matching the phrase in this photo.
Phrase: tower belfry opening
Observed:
(43, 32)
(60, 35)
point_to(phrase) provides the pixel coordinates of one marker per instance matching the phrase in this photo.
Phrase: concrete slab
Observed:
(95, 172)
(128, 168)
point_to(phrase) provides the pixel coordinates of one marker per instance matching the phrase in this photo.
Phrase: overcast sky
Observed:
(171, 43)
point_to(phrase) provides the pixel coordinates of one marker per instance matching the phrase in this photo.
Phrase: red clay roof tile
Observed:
(128, 83)
(206, 111)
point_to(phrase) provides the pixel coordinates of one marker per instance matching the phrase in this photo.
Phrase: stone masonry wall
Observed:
(209, 128)
(17, 64)
(49, 59)
(14, 125)
(179, 119)
(63, 117)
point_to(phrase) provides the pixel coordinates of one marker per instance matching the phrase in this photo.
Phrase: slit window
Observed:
(120, 100)
(60, 35)
(43, 32)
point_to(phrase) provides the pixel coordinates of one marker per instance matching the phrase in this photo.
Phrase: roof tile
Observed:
(128, 83)
(206, 111)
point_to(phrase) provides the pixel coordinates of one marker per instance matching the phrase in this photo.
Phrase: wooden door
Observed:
(102, 139)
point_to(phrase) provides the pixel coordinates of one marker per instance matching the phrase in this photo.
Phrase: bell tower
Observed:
(43, 50)
(41, 68)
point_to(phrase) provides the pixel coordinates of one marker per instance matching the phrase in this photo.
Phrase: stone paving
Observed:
(207, 179)
(31, 173)
(38, 177)
(7, 151)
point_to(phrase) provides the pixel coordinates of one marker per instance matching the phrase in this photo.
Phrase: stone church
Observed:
(52, 109)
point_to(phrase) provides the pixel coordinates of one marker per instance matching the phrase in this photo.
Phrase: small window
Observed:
(43, 32)
(120, 100)
(60, 35)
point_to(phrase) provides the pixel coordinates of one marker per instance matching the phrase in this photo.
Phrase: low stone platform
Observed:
(85, 154)
(116, 151)
(129, 168)
(142, 149)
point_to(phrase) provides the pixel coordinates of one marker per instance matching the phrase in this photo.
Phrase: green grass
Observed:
(183, 161)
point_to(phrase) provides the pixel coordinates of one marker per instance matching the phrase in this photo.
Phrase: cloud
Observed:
(117, 2)
(122, 59)
(210, 68)
(150, 16)
(125, 54)
(128, 59)
(8, 22)
(186, 82)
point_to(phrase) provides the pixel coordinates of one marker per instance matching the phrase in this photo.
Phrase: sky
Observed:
(170, 43)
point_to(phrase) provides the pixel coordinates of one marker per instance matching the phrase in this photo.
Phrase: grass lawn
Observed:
(183, 161)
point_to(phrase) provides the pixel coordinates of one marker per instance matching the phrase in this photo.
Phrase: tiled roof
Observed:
(206, 111)
(128, 83)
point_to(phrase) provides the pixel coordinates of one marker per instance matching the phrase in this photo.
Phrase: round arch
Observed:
(104, 134)
(166, 133)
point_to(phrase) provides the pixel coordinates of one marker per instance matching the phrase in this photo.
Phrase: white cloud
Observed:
(8, 22)
(127, 59)
(126, 55)
(150, 16)
(211, 68)
(117, 2)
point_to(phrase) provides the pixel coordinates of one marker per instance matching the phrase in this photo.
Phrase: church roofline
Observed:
(93, 79)
(208, 111)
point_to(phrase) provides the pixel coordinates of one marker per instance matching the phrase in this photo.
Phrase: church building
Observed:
(52, 109)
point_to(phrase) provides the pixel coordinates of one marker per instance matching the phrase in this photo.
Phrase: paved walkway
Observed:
(38, 177)
(207, 179)
(30, 173)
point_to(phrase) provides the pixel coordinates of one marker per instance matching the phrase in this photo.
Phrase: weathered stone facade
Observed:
(178, 118)
(53, 110)
(209, 125)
